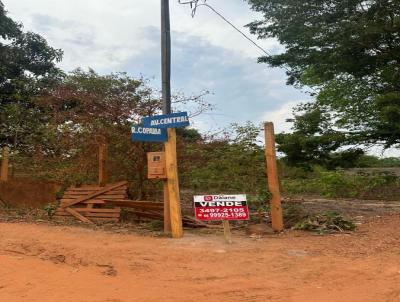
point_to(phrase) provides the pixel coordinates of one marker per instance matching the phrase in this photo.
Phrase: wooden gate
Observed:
(91, 202)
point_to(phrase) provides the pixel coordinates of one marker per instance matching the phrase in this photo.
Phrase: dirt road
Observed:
(52, 263)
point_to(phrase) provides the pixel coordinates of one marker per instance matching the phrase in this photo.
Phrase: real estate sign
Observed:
(221, 207)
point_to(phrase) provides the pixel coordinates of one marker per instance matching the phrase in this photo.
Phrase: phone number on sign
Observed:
(226, 215)
(218, 210)
(234, 213)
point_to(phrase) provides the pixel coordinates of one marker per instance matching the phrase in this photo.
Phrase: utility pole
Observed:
(172, 202)
(166, 56)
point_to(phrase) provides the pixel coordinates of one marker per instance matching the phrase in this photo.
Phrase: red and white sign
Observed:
(221, 207)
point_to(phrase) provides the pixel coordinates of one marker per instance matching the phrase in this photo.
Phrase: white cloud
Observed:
(104, 33)
(279, 116)
(124, 35)
(381, 152)
(211, 27)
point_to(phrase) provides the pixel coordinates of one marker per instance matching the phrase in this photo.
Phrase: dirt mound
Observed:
(27, 193)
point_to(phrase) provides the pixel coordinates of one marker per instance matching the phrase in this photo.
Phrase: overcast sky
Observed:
(124, 35)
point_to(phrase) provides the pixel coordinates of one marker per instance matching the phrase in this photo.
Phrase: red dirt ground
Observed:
(45, 263)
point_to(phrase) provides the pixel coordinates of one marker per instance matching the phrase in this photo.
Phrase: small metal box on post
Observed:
(156, 165)
(157, 169)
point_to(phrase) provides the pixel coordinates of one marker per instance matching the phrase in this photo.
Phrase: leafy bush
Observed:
(231, 164)
(327, 222)
(301, 186)
(336, 184)
(259, 202)
(50, 209)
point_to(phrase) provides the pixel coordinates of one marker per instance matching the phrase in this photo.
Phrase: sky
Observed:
(207, 54)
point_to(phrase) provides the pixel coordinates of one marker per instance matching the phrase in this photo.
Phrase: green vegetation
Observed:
(369, 184)
(232, 163)
(54, 121)
(50, 209)
(27, 70)
(327, 222)
(348, 53)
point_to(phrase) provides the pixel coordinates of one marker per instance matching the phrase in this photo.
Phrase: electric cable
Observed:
(194, 5)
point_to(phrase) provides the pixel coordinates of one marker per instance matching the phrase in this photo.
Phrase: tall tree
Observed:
(27, 68)
(86, 108)
(349, 53)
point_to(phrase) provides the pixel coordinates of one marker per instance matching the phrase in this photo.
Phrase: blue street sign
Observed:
(142, 133)
(174, 120)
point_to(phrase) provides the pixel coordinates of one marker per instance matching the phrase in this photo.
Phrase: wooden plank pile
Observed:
(90, 202)
(146, 209)
(153, 210)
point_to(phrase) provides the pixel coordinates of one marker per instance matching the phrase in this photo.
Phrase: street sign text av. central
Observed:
(174, 120)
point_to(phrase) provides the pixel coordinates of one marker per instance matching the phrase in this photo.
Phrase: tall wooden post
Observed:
(166, 97)
(173, 185)
(4, 164)
(273, 179)
(103, 164)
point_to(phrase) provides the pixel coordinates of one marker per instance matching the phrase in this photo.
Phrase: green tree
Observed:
(314, 142)
(27, 68)
(348, 52)
(87, 108)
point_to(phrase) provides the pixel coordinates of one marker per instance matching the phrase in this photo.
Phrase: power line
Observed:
(194, 4)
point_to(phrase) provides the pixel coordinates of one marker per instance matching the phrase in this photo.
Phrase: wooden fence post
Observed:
(273, 179)
(173, 185)
(4, 164)
(103, 164)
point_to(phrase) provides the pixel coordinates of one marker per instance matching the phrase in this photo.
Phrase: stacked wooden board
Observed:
(145, 209)
(90, 202)
(154, 210)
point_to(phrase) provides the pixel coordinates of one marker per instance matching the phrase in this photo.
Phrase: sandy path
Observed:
(47, 263)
